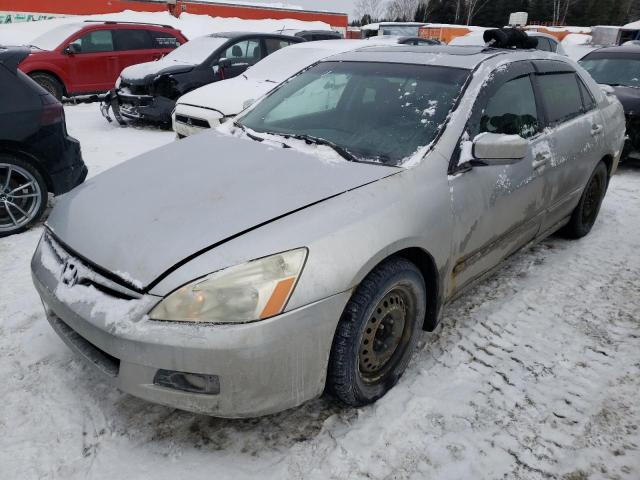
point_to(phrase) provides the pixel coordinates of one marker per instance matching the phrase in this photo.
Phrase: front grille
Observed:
(192, 121)
(88, 275)
(134, 89)
(108, 364)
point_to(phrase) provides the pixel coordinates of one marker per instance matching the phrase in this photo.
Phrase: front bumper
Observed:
(145, 108)
(262, 367)
(190, 120)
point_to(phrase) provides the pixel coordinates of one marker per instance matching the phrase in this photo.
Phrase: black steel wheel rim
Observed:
(593, 197)
(20, 197)
(388, 329)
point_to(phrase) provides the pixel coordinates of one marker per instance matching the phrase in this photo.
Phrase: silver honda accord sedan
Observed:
(305, 246)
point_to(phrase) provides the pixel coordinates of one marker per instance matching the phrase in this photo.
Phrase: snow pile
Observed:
(191, 25)
(576, 39)
(633, 25)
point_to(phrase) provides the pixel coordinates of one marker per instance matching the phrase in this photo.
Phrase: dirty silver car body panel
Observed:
(456, 219)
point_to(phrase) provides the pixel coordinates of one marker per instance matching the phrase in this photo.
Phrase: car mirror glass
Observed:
(72, 49)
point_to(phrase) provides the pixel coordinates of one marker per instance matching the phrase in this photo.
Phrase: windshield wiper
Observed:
(343, 152)
(256, 138)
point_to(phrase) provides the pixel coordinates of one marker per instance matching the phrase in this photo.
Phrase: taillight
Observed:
(52, 110)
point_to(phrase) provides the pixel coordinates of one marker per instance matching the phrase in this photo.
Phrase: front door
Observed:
(94, 66)
(497, 207)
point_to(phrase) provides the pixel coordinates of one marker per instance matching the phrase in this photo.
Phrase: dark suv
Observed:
(88, 57)
(37, 156)
(149, 91)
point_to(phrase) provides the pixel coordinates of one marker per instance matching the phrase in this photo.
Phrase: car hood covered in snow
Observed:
(142, 217)
(229, 96)
(145, 72)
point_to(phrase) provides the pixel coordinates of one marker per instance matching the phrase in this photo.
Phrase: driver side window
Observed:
(95, 42)
(512, 110)
(247, 51)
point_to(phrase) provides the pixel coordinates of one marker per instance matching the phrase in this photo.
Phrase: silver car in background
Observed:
(304, 248)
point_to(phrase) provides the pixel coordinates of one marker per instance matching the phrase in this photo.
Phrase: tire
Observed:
(49, 83)
(20, 207)
(584, 216)
(366, 360)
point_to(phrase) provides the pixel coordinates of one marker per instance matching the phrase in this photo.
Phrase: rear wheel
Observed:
(377, 333)
(49, 83)
(23, 195)
(586, 213)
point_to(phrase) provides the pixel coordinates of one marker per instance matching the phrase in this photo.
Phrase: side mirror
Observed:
(225, 62)
(72, 49)
(499, 149)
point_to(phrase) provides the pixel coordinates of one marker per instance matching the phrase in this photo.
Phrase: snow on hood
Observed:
(229, 96)
(164, 65)
(147, 214)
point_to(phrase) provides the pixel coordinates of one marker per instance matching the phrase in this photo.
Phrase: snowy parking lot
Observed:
(533, 375)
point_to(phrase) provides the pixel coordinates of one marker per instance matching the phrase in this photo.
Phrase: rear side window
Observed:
(95, 42)
(275, 44)
(164, 40)
(561, 95)
(132, 39)
(588, 101)
(512, 110)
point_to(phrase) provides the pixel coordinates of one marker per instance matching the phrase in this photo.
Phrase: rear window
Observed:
(561, 95)
(164, 40)
(132, 39)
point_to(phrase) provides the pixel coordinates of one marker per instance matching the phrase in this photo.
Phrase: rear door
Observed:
(576, 137)
(498, 207)
(133, 46)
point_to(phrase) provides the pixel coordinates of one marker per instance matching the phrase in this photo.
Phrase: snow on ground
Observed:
(533, 375)
(191, 25)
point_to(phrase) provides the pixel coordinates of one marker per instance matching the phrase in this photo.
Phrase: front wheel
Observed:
(377, 333)
(584, 216)
(49, 83)
(23, 195)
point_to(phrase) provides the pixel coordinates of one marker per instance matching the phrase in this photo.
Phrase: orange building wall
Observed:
(444, 34)
(88, 7)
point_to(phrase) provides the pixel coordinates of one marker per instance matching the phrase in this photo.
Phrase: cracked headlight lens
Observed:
(255, 290)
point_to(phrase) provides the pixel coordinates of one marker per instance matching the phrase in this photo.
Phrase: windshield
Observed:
(286, 62)
(54, 38)
(196, 51)
(614, 71)
(377, 112)
(400, 31)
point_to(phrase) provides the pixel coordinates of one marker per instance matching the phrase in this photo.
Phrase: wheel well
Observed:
(608, 161)
(27, 157)
(51, 74)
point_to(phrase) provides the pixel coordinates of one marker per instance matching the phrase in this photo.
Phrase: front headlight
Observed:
(252, 291)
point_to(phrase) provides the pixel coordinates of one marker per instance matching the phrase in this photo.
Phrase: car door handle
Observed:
(596, 130)
(541, 160)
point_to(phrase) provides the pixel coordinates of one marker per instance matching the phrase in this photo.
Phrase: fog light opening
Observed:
(188, 382)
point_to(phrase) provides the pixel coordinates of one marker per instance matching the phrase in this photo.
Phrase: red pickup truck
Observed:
(87, 57)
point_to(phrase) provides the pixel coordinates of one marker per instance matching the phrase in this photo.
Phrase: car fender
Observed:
(27, 67)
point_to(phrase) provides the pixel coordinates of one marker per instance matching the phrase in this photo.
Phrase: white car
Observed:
(212, 104)
(546, 42)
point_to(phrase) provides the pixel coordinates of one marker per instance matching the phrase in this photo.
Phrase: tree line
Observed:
(495, 13)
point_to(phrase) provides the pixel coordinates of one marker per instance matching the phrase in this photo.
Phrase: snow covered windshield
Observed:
(623, 70)
(53, 38)
(196, 51)
(375, 112)
(400, 31)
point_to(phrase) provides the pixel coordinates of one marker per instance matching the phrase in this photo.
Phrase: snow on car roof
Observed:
(447, 56)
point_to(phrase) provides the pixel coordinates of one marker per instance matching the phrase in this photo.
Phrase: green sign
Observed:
(17, 17)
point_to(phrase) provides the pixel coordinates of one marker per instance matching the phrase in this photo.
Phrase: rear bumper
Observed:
(75, 171)
(261, 368)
